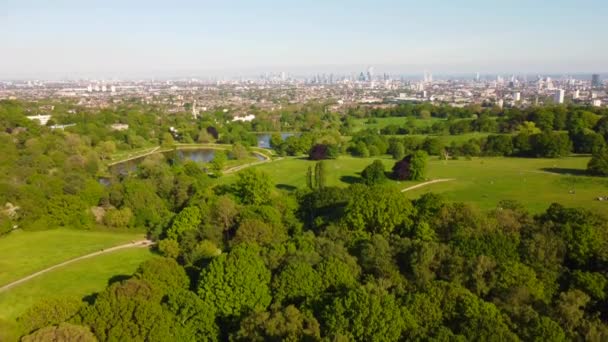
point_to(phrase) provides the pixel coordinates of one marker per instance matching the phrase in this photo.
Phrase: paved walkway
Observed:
(134, 244)
(427, 183)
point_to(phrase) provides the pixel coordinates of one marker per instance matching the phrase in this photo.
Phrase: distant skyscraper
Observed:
(596, 82)
(517, 96)
(559, 96)
(370, 73)
(477, 77)
(576, 94)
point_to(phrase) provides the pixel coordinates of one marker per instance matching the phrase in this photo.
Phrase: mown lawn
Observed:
(484, 182)
(77, 280)
(25, 252)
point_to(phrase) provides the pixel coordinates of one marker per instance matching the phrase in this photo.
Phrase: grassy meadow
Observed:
(77, 280)
(25, 252)
(480, 181)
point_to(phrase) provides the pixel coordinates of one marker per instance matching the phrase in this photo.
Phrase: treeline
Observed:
(248, 262)
(573, 119)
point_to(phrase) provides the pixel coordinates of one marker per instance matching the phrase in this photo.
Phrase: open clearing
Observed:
(536, 183)
(26, 252)
(77, 280)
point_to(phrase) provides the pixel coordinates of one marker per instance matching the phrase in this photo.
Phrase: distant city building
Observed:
(119, 127)
(517, 96)
(500, 103)
(576, 94)
(246, 118)
(596, 103)
(596, 82)
(42, 119)
(559, 96)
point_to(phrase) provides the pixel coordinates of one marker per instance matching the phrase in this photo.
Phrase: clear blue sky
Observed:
(63, 37)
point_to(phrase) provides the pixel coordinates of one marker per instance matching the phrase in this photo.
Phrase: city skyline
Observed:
(69, 39)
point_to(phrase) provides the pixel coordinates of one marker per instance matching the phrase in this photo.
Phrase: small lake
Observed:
(195, 155)
(264, 138)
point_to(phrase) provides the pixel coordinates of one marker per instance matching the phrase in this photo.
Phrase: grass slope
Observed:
(25, 252)
(76, 280)
(481, 181)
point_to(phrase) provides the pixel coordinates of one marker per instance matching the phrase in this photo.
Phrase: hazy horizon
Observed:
(71, 39)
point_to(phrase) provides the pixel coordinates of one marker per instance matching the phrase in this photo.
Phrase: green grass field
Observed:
(481, 181)
(76, 280)
(25, 252)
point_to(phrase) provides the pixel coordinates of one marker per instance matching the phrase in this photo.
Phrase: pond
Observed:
(264, 138)
(195, 155)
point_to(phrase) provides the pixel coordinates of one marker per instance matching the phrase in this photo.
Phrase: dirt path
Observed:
(244, 166)
(138, 244)
(137, 156)
(427, 183)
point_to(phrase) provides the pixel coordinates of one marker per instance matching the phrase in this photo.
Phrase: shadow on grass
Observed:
(566, 171)
(286, 187)
(350, 179)
(118, 278)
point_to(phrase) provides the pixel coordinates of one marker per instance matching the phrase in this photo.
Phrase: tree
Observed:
(61, 332)
(296, 283)
(365, 314)
(398, 151)
(188, 219)
(131, 311)
(49, 311)
(282, 324)
(253, 187)
(118, 218)
(218, 163)
(598, 165)
(374, 173)
(194, 315)
(323, 151)
(239, 151)
(378, 209)
(320, 180)
(168, 248)
(167, 140)
(164, 273)
(412, 167)
(236, 282)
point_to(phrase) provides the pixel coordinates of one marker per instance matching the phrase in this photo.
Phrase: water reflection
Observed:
(264, 138)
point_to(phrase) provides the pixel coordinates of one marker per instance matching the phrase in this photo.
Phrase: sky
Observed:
(66, 38)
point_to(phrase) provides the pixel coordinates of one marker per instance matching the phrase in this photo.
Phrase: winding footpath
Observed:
(134, 244)
(427, 183)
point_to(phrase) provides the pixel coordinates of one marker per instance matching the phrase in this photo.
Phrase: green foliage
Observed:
(253, 187)
(373, 174)
(236, 282)
(598, 165)
(377, 210)
(118, 218)
(219, 162)
(288, 324)
(365, 314)
(49, 312)
(188, 219)
(296, 282)
(168, 248)
(131, 310)
(61, 332)
(163, 273)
